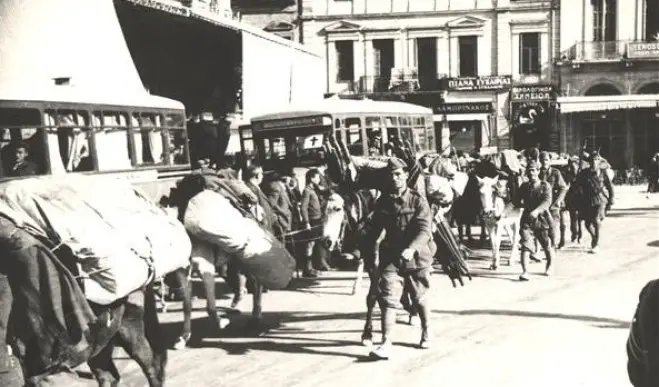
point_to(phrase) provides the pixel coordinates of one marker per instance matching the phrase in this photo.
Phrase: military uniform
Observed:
(406, 219)
(558, 190)
(535, 199)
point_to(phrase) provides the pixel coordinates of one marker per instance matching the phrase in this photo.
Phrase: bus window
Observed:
(373, 122)
(21, 143)
(274, 148)
(391, 122)
(374, 141)
(69, 137)
(177, 139)
(111, 141)
(354, 139)
(355, 142)
(148, 138)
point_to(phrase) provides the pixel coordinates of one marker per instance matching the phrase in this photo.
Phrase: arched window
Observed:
(604, 20)
(602, 89)
(650, 88)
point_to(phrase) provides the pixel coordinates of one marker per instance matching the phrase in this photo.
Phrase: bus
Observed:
(294, 137)
(61, 130)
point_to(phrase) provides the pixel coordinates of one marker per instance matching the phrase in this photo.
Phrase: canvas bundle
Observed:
(211, 218)
(120, 238)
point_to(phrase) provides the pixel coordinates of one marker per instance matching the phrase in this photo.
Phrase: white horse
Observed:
(499, 216)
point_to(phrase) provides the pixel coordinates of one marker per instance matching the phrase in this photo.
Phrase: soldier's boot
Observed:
(308, 270)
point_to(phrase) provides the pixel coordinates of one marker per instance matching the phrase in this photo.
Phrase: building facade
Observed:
(275, 16)
(462, 58)
(609, 76)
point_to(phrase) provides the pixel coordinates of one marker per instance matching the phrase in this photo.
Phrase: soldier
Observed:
(406, 256)
(535, 195)
(558, 190)
(596, 198)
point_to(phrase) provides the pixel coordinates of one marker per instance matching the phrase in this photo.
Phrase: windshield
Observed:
(293, 150)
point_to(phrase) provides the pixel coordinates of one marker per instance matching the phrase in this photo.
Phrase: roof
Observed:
(334, 106)
(72, 94)
(214, 18)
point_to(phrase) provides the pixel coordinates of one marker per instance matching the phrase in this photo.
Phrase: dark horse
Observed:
(52, 327)
(643, 341)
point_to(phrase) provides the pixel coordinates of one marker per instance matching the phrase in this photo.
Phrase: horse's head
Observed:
(333, 221)
(492, 194)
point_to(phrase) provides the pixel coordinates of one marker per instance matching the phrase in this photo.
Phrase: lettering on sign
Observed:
(528, 113)
(532, 93)
(286, 123)
(643, 50)
(467, 107)
(480, 83)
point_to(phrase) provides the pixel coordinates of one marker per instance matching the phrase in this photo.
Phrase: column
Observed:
(443, 53)
(400, 50)
(545, 61)
(514, 56)
(629, 138)
(359, 57)
(454, 54)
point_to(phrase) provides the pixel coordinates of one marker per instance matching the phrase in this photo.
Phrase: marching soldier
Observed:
(558, 190)
(406, 253)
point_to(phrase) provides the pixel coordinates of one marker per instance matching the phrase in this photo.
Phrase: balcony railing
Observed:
(610, 51)
(374, 85)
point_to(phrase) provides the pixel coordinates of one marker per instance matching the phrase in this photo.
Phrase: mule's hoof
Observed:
(181, 343)
(495, 267)
(367, 342)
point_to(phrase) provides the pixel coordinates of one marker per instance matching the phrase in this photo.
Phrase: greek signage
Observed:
(643, 50)
(532, 93)
(480, 83)
(463, 108)
(528, 113)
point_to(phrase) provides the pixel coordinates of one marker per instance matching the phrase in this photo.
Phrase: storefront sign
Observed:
(643, 50)
(480, 83)
(528, 113)
(532, 93)
(463, 108)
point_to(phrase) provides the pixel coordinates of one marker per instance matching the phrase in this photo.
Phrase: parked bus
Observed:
(294, 137)
(61, 130)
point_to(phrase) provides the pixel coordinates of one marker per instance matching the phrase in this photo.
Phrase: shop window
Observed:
(468, 55)
(529, 53)
(345, 59)
(465, 135)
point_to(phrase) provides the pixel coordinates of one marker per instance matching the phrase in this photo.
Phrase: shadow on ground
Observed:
(602, 321)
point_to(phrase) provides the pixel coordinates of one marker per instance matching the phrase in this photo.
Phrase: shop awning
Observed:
(607, 102)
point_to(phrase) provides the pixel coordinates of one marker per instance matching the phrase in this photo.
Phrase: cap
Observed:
(544, 154)
(532, 164)
(395, 163)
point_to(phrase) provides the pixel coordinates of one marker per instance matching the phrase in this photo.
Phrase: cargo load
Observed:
(211, 219)
(120, 238)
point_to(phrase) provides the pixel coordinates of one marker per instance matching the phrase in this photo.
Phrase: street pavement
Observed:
(566, 330)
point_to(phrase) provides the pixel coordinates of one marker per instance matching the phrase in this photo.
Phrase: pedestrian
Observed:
(406, 253)
(596, 198)
(312, 217)
(535, 196)
(558, 190)
(653, 174)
